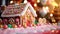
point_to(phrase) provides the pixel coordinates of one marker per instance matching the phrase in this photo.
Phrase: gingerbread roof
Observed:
(18, 10)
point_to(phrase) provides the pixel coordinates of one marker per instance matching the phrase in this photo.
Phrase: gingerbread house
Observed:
(25, 12)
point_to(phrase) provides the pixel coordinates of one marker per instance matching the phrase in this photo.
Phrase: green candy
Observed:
(9, 26)
(36, 22)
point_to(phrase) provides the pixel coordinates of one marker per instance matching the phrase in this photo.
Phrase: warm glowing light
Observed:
(52, 11)
(25, 1)
(35, 5)
(11, 2)
(38, 1)
(47, 8)
(53, 3)
(51, 15)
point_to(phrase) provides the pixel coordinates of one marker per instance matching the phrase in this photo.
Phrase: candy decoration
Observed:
(17, 19)
(36, 22)
(40, 21)
(18, 26)
(5, 26)
(1, 26)
(9, 26)
(32, 24)
(44, 20)
(14, 25)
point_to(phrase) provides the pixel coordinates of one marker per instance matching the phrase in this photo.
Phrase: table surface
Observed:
(46, 29)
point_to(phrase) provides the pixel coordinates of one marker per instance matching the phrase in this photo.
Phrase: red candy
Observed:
(5, 26)
(19, 26)
(17, 19)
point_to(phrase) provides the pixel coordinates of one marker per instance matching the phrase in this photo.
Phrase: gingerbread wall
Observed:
(28, 18)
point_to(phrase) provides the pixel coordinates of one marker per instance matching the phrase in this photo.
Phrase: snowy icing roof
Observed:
(18, 10)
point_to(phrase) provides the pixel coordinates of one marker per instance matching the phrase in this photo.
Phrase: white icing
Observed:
(23, 12)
